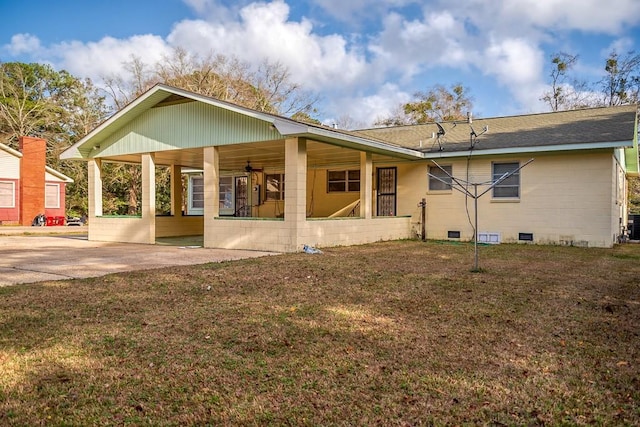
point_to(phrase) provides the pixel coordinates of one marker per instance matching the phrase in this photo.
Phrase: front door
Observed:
(386, 194)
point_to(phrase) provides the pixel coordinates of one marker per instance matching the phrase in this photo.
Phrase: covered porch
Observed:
(275, 216)
(256, 181)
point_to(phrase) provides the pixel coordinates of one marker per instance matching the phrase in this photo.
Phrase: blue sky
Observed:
(362, 57)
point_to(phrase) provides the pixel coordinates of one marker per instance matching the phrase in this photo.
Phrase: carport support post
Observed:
(366, 184)
(176, 190)
(95, 188)
(295, 189)
(149, 196)
(211, 159)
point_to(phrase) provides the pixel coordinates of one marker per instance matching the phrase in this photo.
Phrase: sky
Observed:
(362, 57)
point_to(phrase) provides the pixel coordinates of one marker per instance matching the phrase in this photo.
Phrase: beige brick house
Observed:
(259, 181)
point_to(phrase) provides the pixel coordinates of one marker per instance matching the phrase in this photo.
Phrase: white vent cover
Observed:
(489, 237)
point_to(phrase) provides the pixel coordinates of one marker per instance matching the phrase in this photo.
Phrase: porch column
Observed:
(366, 184)
(149, 196)
(176, 190)
(295, 189)
(211, 183)
(211, 177)
(95, 188)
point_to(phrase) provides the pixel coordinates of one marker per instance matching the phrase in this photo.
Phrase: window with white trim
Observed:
(226, 195)
(508, 188)
(343, 181)
(274, 186)
(438, 179)
(52, 196)
(7, 194)
(196, 195)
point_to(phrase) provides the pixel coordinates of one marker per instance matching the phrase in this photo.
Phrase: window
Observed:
(196, 195)
(343, 181)
(440, 181)
(274, 185)
(509, 187)
(52, 196)
(226, 195)
(7, 194)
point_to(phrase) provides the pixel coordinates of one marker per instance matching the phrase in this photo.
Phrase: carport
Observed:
(182, 130)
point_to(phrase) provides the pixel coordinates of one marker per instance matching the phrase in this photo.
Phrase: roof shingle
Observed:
(594, 125)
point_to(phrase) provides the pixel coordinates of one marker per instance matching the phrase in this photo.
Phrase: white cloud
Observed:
(367, 74)
(413, 46)
(107, 56)
(368, 108)
(620, 46)
(23, 43)
(265, 31)
(584, 15)
(517, 64)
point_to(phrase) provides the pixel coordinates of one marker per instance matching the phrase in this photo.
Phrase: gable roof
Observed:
(611, 127)
(160, 95)
(587, 129)
(62, 177)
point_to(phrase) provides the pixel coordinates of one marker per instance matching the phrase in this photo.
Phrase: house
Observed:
(28, 187)
(264, 182)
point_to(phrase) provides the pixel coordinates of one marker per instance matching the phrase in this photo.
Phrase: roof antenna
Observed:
(440, 134)
(473, 136)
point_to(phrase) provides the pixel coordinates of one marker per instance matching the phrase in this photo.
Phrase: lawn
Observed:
(396, 333)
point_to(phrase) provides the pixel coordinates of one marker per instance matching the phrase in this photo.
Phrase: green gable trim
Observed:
(632, 162)
(180, 126)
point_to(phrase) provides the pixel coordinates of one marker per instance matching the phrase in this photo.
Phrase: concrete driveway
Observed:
(36, 258)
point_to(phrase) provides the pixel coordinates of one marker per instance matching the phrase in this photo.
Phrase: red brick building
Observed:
(28, 187)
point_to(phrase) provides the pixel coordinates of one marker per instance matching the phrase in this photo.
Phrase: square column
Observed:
(94, 173)
(295, 188)
(176, 190)
(211, 183)
(366, 184)
(211, 177)
(149, 196)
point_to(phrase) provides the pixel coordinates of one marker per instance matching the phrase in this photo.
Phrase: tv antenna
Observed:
(463, 187)
(439, 135)
(473, 136)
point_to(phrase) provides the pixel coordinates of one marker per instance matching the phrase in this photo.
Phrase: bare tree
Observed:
(561, 91)
(437, 104)
(268, 88)
(621, 84)
(122, 89)
(347, 122)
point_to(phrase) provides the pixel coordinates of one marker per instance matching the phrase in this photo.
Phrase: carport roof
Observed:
(161, 94)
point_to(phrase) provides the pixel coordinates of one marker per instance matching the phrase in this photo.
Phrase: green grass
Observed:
(398, 333)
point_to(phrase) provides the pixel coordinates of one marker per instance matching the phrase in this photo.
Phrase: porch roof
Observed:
(260, 132)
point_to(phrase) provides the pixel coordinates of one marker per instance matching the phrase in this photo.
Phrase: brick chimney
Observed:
(32, 177)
